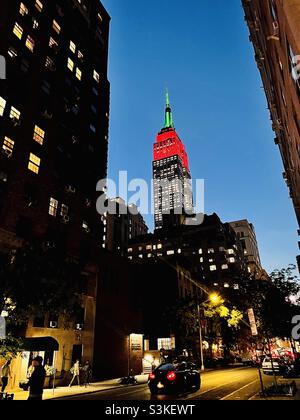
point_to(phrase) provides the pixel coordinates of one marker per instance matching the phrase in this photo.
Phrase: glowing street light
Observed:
(215, 299)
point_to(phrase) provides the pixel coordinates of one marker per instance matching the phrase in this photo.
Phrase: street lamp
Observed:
(215, 299)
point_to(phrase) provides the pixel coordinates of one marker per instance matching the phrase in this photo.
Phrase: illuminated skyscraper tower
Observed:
(173, 198)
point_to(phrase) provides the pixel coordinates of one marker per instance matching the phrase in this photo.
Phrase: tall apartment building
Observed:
(119, 228)
(247, 236)
(54, 118)
(274, 27)
(171, 174)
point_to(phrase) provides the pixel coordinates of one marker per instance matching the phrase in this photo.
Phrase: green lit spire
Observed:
(168, 117)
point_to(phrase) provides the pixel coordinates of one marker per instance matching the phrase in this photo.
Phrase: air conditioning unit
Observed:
(53, 324)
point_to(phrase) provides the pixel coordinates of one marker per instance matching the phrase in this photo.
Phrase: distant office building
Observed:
(127, 223)
(171, 173)
(247, 236)
(212, 252)
(274, 27)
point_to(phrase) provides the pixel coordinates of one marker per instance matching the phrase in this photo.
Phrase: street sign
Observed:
(252, 321)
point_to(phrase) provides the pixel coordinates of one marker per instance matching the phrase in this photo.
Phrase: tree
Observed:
(37, 278)
(274, 301)
(10, 347)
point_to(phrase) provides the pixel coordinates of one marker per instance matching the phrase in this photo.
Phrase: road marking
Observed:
(131, 392)
(205, 392)
(240, 389)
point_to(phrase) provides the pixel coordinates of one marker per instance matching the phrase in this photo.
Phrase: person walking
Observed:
(37, 380)
(87, 373)
(76, 373)
(5, 375)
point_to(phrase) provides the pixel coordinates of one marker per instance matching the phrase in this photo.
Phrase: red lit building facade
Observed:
(171, 175)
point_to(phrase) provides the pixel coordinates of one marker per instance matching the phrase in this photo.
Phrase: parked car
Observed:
(174, 378)
(279, 365)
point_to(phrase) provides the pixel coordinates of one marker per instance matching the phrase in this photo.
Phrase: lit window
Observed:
(72, 47)
(130, 250)
(200, 251)
(18, 31)
(78, 74)
(211, 251)
(39, 135)
(226, 285)
(230, 251)
(93, 128)
(53, 206)
(159, 246)
(70, 64)
(2, 106)
(170, 252)
(232, 260)
(80, 55)
(12, 52)
(14, 114)
(224, 267)
(35, 24)
(213, 268)
(96, 76)
(30, 43)
(64, 210)
(39, 5)
(8, 146)
(56, 27)
(52, 43)
(34, 163)
(23, 10)
(85, 226)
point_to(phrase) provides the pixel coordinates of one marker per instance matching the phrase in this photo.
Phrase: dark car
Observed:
(174, 379)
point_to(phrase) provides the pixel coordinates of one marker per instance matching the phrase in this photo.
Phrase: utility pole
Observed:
(201, 341)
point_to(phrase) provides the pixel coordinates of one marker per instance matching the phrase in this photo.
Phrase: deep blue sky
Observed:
(201, 51)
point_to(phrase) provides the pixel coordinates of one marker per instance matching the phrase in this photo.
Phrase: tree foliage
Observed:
(36, 279)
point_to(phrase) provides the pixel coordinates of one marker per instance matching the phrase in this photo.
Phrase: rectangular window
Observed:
(34, 163)
(56, 27)
(18, 31)
(30, 43)
(78, 73)
(70, 64)
(72, 47)
(96, 76)
(53, 206)
(23, 10)
(14, 114)
(80, 55)
(39, 5)
(8, 146)
(64, 210)
(52, 43)
(39, 135)
(2, 106)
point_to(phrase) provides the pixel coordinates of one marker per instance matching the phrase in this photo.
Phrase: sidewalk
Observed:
(76, 390)
(295, 398)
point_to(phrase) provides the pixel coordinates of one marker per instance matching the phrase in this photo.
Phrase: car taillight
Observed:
(151, 376)
(171, 376)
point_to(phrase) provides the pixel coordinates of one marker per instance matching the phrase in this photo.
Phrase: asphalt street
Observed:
(226, 384)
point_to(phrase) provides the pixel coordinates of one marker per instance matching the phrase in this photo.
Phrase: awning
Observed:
(40, 344)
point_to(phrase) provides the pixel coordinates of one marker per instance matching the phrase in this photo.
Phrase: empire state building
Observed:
(173, 198)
